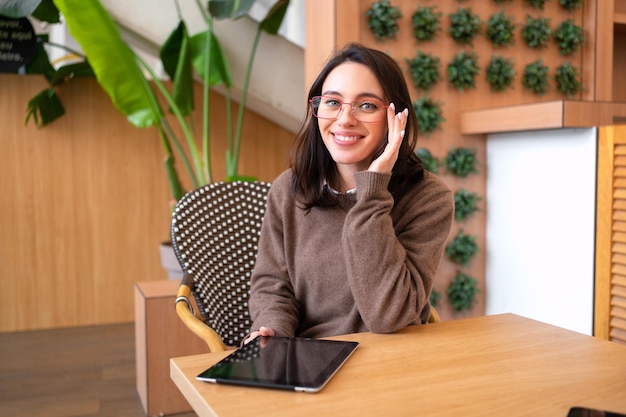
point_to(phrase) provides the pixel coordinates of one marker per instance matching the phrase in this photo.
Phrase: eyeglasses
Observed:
(366, 110)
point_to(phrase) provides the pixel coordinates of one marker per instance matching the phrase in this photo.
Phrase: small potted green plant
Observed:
(462, 292)
(500, 73)
(462, 70)
(424, 69)
(464, 26)
(465, 204)
(501, 30)
(429, 115)
(383, 19)
(535, 77)
(431, 163)
(426, 23)
(567, 80)
(571, 5)
(537, 4)
(461, 162)
(462, 249)
(569, 37)
(537, 32)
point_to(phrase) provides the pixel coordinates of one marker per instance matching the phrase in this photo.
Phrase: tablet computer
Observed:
(291, 363)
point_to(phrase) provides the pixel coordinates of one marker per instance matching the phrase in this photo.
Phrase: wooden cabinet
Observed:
(610, 280)
(159, 336)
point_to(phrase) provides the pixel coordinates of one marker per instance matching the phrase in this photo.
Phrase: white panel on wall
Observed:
(541, 193)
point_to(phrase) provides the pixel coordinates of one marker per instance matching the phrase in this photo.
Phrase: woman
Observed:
(354, 232)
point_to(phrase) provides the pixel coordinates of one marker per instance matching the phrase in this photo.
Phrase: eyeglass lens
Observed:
(366, 110)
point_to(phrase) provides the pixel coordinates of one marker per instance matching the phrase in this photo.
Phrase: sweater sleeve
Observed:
(272, 301)
(392, 262)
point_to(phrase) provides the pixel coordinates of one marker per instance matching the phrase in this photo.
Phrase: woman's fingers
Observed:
(263, 331)
(396, 123)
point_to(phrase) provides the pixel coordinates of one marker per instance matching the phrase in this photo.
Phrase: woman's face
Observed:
(351, 142)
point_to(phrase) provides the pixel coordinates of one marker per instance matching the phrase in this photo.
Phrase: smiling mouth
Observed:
(342, 138)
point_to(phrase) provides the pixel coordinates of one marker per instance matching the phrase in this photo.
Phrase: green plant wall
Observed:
(460, 56)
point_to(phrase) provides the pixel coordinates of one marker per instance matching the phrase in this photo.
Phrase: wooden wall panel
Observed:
(320, 37)
(598, 50)
(85, 203)
(351, 24)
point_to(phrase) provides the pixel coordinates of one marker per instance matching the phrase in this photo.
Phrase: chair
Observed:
(215, 231)
(434, 316)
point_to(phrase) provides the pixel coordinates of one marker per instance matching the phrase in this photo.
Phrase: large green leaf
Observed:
(229, 9)
(47, 12)
(273, 20)
(78, 69)
(112, 60)
(176, 59)
(44, 108)
(218, 63)
(40, 63)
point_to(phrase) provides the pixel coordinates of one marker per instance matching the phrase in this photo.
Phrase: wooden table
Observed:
(501, 365)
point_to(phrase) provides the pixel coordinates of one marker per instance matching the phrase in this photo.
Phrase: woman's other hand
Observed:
(263, 331)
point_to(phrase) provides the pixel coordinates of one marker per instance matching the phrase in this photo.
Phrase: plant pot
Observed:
(169, 261)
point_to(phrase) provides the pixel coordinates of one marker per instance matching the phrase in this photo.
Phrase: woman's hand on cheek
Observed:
(396, 123)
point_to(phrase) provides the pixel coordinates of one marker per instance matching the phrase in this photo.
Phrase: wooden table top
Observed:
(501, 365)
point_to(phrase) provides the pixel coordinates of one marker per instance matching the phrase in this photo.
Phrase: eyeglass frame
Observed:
(352, 108)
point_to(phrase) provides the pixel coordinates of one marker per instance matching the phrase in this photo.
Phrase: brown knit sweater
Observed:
(365, 265)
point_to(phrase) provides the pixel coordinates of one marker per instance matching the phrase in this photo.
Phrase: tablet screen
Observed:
(282, 362)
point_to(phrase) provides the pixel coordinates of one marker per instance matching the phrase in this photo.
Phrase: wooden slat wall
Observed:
(610, 285)
(84, 204)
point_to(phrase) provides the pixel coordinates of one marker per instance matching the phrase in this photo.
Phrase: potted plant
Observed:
(567, 80)
(536, 32)
(383, 19)
(464, 26)
(465, 204)
(571, 5)
(461, 161)
(535, 77)
(462, 292)
(120, 72)
(431, 163)
(462, 249)
(569, 37)
(501, 30)
(462, 70)
(429, 115)
(424, 69)
(537, 4)
(500, 73)
(426, 23)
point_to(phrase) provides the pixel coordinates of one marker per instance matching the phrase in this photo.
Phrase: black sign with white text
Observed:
(17, 43)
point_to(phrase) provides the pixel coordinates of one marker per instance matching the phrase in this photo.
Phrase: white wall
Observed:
(541, 192)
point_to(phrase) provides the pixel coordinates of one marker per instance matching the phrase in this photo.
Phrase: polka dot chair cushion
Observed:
(215, 231)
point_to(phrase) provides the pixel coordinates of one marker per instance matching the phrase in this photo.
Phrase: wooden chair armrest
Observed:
(193, 321)
(434, 316)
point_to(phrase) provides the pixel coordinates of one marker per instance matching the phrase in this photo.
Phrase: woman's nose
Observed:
(346, 115)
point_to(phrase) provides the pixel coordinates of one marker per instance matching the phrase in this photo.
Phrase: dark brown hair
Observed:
(311, 162)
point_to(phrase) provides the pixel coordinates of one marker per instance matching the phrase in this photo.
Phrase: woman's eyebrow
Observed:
(359, 96)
